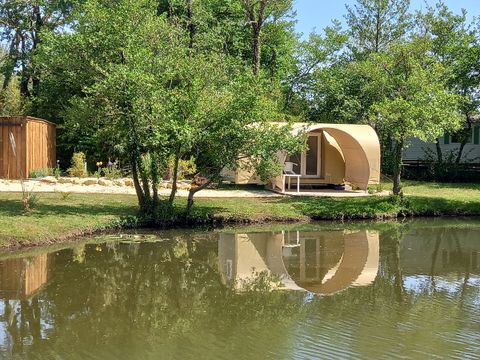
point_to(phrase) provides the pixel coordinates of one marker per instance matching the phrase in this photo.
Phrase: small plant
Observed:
(29, 198)
(111, 171)
(42, 172)
(77, 168)
(57, 172)
(65, 195)
(98, 173)
(375, 189)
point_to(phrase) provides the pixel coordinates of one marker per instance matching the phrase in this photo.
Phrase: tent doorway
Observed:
(308, 163)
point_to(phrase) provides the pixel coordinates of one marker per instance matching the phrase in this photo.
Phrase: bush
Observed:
(77, 168)
(112, 172)
(42, 172)
(186, 168)
(447, 170)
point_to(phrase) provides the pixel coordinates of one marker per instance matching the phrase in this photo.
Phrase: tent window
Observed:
(311, 157)
(308, 163)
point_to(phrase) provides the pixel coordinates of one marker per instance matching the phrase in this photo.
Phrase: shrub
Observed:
(29, 198)
(186, 168)
(77, 168)
(64, 195)
(42, 172)
(112, 172)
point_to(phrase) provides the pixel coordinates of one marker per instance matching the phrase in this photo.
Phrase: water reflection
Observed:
(22, 277)
(322, 262)
(192, 295)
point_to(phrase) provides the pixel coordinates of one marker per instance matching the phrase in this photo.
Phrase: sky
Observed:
(317, 14)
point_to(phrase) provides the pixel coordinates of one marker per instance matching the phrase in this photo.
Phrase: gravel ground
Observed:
(40, 186)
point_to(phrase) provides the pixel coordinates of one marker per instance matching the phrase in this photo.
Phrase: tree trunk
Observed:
(397, 167)
(439, 151)
(174, 180)
(155, 182)
(191, 25)
(192, 193)
(256, 50)
(256, 19)
(466, 136)
(460, 152)
(136, 184)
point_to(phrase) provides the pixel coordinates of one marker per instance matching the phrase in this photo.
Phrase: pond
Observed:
(396, 290)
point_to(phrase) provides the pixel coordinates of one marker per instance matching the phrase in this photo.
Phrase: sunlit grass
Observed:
(57, 217)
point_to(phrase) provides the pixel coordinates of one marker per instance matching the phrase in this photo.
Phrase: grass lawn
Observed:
(55, 217)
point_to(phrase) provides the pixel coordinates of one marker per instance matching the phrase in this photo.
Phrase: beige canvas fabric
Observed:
(350, 153)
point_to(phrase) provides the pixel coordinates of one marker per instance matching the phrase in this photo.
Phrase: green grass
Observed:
(56, 218)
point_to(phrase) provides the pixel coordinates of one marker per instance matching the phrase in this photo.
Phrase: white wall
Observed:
(416, 150)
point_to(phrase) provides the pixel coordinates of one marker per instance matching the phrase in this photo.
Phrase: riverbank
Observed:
(58, 217)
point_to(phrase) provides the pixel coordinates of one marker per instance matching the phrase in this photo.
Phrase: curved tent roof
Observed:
(360, 148)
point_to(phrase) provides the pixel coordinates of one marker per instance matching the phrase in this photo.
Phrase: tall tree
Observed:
(456, 44)
(151, 95)
(374, 24)
(22, 23)
(258, 13)
(415, 99)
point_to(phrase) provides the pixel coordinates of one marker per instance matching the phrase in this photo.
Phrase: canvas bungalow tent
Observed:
(337, 153)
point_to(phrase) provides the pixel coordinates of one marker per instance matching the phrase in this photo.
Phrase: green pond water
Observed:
(379, 290)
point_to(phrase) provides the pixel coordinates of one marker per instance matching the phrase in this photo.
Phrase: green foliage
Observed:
(77, 168)
(186, 168)
(11, 101)
(151, 96)
(112, 172)
(65, 195)
(22, 24)
(29, 200)
(42, 172)
(376, 24)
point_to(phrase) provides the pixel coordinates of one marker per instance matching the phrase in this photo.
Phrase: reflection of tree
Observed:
(125, 299)
(390, 253)
(158, 291)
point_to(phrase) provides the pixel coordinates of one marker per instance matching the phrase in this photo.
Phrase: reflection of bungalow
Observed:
(337, 153)
(21, 278)
(320, 262)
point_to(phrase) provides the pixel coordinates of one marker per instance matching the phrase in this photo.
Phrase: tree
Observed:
(415, 100)
(21, 26)
(375, 24)
(456, 45)
(152, 95)
(257, 13)
(313, 57)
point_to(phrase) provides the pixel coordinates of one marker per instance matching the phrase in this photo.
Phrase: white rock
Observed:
(119, 182)
(49, 180)
(89, 181)
(66, 180)
(105, 182)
